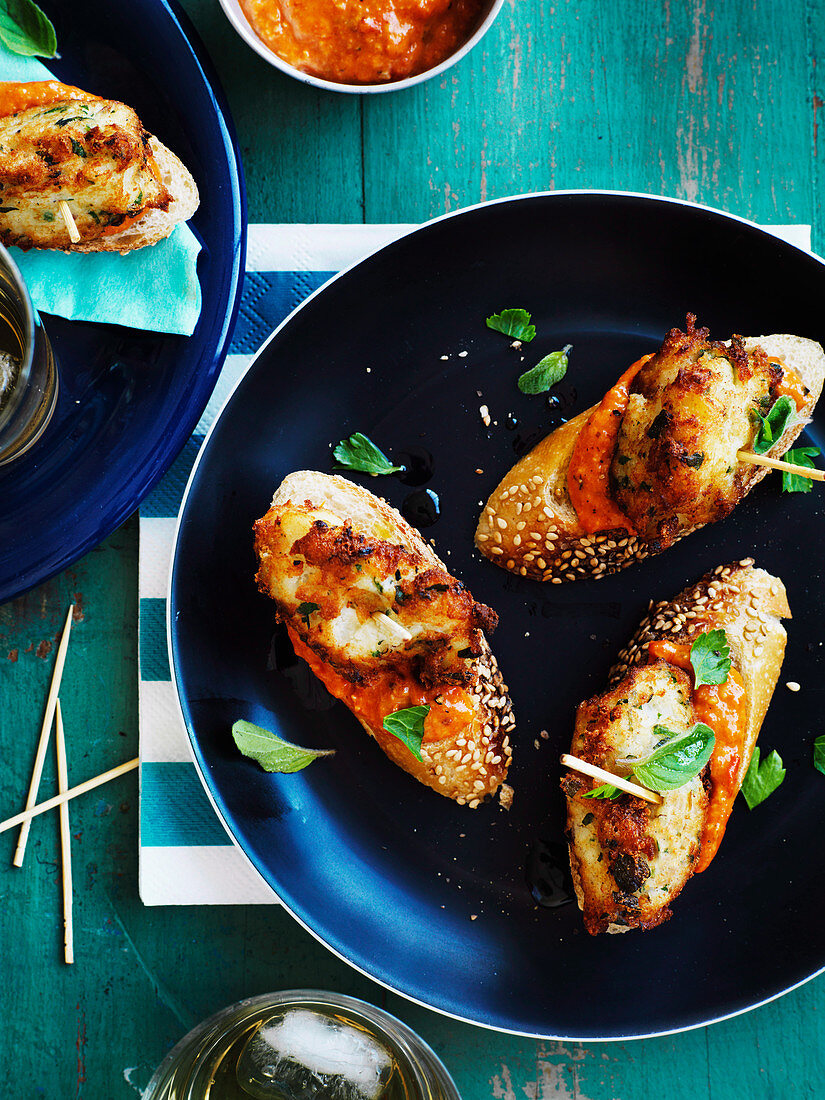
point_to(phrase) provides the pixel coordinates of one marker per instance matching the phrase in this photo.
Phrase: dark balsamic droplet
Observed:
(559, 403)
(511, 423)
(303, 681)
(418, 466)
(562, 399)
(421, 508)
(525, 441)
(548, 874)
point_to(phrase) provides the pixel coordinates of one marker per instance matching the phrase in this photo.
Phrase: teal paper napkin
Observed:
(154, 288)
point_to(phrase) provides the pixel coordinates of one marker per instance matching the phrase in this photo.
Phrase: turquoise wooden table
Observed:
(714, 102)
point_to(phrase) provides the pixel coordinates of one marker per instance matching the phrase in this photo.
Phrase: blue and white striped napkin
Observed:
(186, 855)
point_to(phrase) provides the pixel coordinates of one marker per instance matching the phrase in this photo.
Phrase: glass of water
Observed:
(302, 1045)
(28, 377)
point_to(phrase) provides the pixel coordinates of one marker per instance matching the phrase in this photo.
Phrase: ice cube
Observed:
(304, 1055)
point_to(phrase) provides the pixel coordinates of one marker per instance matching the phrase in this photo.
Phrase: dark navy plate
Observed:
(434, 900)
(129, 400)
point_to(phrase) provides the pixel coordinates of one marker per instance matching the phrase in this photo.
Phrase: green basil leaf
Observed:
(772, 427)
(408, 726)
(513, 322)
(26, 29)
(546, 373)
(800, 456)
(675, 762)
(710, 657)
(761, 780)
(305, 610)
(606, 790)
(819, 754)
(360, 453)
(271, 751)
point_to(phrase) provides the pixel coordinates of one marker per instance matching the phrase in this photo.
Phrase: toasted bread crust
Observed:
(155, 225)
(530, 527)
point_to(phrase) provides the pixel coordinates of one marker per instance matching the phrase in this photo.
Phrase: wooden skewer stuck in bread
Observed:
(374, 612)
(655, 460)
(629, 859)
(80, 173)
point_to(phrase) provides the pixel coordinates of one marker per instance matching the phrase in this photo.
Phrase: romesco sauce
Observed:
(363, 41)
(791, 384)
(723, 707)
(588, 475)
(18, 96)
(391, 691)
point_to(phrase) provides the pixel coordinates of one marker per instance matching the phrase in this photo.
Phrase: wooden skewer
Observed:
(45, 730)
(67, 796)
(778, 464)
(68, 218)
(65, 837)
(582, 766)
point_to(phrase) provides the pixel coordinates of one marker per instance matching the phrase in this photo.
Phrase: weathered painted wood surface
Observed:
(721, 103)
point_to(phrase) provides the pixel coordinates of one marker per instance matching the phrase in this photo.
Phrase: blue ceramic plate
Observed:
(129, 400)
(450, 906)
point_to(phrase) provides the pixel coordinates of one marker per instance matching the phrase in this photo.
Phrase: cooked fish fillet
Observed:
(691, 410)
(379, 619)
(630, 859)
(123, 187)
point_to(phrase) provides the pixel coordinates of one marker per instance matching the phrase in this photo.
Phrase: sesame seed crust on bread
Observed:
(530, 527)
(475, 764)
(387, 612)
(748, 604)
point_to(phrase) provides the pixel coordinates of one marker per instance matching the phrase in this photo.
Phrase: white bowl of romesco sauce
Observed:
(362, 46)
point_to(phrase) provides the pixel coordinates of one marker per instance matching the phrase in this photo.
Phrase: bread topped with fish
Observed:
(657, 459)
(679, 677)
(378, 618)
(124, 189)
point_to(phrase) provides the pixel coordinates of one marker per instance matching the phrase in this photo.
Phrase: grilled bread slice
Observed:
(123, 187)
(674, 467)
(374, 612)
(630, 859)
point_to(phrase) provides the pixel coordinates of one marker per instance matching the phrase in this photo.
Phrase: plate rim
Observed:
(175, 679)
(183, 25)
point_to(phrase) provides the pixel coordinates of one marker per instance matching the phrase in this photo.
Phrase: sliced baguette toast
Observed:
(529, 525)
(629, 859)
(372, 609)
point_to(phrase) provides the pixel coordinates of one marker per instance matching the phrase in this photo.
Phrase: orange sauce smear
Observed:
(390, 692)
(363, 41)
(723, 707)
(588, 476)
(110, 230)
(791, 384)
(18, 96)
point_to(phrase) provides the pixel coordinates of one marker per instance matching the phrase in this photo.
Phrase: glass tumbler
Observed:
(28, 376)
(301, 1045)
